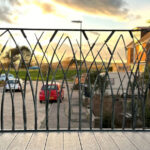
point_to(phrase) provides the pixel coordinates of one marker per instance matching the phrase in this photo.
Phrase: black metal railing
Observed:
(104, 77)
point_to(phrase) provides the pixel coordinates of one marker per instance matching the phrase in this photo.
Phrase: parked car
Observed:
(53, 92)
(86, 90)
(116, 83)
(14, 85)
(3, 77)
(34, 67)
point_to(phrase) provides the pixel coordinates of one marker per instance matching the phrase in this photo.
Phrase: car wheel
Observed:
(40, 101)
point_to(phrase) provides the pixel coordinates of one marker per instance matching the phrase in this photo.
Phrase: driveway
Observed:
(63, 110)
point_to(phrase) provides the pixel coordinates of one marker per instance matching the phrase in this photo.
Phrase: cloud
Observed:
(133, 17)
(4, 15)
(98, 7)
(14, 2)
(6, 9)
(45, 6)
(10, 9)
(13, 10)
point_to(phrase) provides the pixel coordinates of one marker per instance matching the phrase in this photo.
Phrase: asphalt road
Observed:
(52, 115)
(18, 103)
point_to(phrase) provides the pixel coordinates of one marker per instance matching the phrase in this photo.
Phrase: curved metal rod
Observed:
(121, 80)
(112, 94)
(129, 83)
(89, 85)
(12, 95)
(58, 94)
(27, 75)
(102, 94)
(33, 54)
(65, 79)
(107, 69)
(61, 90)
(3, 33)
(135, 81)
(80, 120)
(49, 70)
(44, 56)
(12, 99)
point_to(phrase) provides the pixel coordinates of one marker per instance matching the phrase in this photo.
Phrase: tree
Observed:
(15, 56)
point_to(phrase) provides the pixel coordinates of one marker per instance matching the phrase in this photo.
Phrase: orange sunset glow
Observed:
(117, 14)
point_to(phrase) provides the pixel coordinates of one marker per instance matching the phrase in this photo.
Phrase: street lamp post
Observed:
(78, 21)
(79, 80)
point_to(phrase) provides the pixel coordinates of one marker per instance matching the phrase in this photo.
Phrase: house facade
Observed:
(135, 49)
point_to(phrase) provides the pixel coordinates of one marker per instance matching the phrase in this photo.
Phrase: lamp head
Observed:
(76, 21)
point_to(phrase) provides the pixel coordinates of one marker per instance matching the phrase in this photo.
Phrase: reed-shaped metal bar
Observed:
(136, 84)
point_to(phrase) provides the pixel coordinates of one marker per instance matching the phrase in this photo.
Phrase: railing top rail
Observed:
(52, 29)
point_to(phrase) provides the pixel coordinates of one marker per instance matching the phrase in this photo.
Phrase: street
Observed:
(41, 117)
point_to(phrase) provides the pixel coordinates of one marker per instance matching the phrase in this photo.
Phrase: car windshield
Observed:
(52, 87)
(12, 81)
(9, 75)
(2, 75)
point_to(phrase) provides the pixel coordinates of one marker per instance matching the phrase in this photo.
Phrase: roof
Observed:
(144, 39)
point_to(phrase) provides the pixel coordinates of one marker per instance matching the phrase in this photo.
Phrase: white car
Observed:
(13, 84)
(3, 77)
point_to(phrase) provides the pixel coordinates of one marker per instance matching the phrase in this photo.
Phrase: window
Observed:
(52, 87)
(131, 56)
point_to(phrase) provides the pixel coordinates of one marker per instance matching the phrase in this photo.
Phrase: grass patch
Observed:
(34, 74)
(2, 83)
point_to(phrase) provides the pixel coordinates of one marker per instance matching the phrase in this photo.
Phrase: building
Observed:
(135, 49)
(119, 83)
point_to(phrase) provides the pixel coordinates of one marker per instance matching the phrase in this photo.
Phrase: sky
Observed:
(96, 14)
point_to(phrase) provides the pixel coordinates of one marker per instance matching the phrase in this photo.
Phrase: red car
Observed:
(55, 92)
